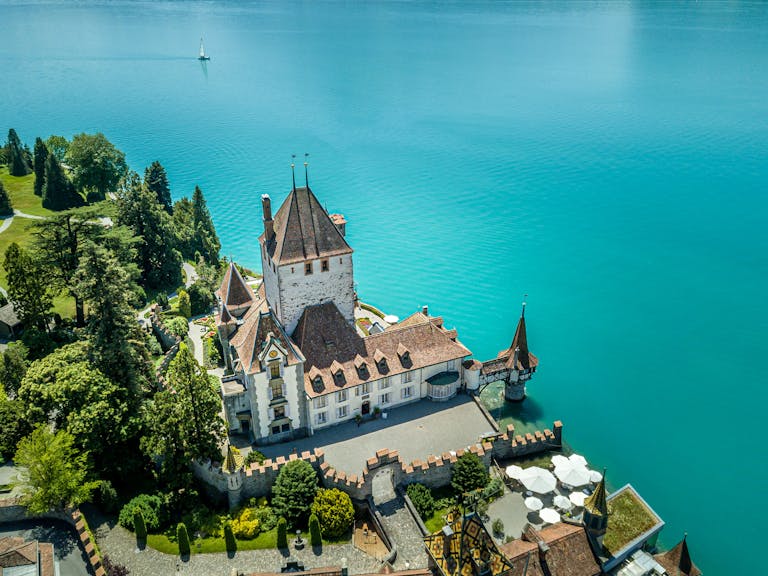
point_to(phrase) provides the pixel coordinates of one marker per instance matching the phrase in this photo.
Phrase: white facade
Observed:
(346, 403)
(292, 288)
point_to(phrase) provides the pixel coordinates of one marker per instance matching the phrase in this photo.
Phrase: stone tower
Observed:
(304, 258)
(596, 512)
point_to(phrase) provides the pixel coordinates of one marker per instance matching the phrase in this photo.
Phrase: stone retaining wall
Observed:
(11, 510)
(435, 471)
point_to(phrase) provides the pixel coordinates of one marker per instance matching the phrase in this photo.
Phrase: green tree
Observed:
(66, 390)
(60, 240)
(182, 537)
(152, 511)
(52, 471)
(13, 425)
(41, 155)
(97, 165)
(282, 533)
(139, 526)
(229, 538)
(58, 191)
(294, 491)
(315, 537)
(156, 181)
(183, 422)
(422, 499)
(156, 255)
(185, 306)
(469, 473)
(58, 146)
(13, 367)
(207, 241)
(28, 287)
(16, 157)
(333, 508)
(117, 345)
(6, 207)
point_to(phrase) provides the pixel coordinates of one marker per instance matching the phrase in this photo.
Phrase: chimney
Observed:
(340, 222)
(269, 224)
(425, 310)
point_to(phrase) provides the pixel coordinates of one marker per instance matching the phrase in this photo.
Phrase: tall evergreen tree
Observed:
(156, 181)
(207, 241)
(117, 345)
(6, 208)
(157, 257)
(28, 287)
(41, 155)
(58, 191)
(60, 240)
(17, 159)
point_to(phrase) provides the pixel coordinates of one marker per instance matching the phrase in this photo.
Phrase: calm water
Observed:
(609, 159)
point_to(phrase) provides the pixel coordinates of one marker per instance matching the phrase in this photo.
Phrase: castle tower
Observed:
(596, 511)
(304, 258)
(521, 363)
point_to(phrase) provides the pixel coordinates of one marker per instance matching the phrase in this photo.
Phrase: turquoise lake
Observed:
(607, 159)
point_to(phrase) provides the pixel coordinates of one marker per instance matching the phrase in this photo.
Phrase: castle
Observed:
(302, 354)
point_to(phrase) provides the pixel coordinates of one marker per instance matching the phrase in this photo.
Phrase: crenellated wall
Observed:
(435, 471)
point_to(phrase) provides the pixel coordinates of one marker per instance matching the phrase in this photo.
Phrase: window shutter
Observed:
(271, 414)
(287, 411)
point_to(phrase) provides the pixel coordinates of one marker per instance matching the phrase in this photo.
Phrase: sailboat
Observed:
(202, 56)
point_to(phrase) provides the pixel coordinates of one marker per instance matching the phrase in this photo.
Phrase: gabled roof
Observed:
(567, 552)
(234, 291)
(303, 231)
(258, 327)
(16, 552)
(8, 316)
(677, 561)
(325, 337)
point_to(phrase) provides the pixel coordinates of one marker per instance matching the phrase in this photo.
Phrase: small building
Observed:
(10, 325)
(465, 548)
(21, 558)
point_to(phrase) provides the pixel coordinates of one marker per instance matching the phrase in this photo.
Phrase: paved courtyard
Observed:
(415, 431)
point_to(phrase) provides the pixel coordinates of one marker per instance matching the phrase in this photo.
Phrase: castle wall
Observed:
(434, 471)
(298, 290)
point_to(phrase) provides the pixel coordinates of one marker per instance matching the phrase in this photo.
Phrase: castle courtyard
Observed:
(415, 430)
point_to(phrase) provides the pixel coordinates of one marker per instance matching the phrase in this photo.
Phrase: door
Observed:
(366, 407)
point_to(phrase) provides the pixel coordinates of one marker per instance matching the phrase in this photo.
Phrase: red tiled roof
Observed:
(250, 337)
(303, 231)
(16, 552)
(678, 561)
(325, 337)
(567, 552)
(234, 291)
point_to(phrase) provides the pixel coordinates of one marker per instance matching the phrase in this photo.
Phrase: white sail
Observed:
(202, 49)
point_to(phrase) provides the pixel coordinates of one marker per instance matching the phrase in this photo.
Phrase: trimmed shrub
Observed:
(498, 527)
(282, 533)
(139, 526)
(257, 457)
(469, 473)
(183, 539)
(294, 491)
(185, 306)
(334, 511)
(246, 526)
(151, 507)
(229, 538)
(315, 537)
(422, 499)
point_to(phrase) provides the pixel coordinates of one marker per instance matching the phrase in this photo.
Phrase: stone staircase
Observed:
(400, 527)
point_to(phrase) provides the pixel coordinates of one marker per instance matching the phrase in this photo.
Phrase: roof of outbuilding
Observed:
(234, 291)
(303, 230)
(567, 552)
(678, 560)
(325, 337)
(8, 316)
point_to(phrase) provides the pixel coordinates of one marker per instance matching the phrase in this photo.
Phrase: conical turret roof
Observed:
(234, 460)
(234, 291)
(597, 503)
(677, 561)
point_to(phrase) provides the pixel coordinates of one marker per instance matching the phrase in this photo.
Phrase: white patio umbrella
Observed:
(538, 480)
(513, 472)
(578, 459)
(562, 502)
(595, 476)
(558, 459)
(533, 503)
(572, 474)
(577, 498)
(549, 515)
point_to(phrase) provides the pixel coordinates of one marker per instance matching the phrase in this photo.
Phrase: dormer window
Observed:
(381, 361)
(362, 367)
(308, 268)
(404, 354)
(318, 382)
(338, 373)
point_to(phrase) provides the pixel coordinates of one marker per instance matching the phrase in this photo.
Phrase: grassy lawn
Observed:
(628, 519)
(436, 521)
(264, 541)
(22, 193)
